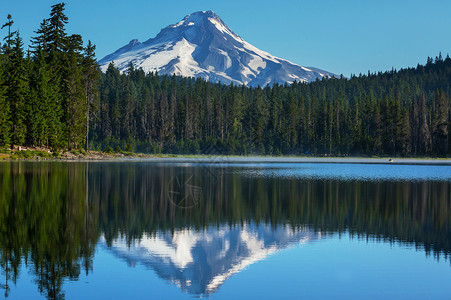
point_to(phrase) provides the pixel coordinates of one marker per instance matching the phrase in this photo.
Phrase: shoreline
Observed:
(288, 159)
(97, 156)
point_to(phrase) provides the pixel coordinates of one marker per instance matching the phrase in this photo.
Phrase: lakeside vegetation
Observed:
(74, 154)
(54, 95)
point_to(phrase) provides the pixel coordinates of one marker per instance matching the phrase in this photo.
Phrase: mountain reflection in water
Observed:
(53, 215)
(200, 261)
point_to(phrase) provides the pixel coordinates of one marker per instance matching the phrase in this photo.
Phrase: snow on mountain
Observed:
(199, 262)
(202, 45)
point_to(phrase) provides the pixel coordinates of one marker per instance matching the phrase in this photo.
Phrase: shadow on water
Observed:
(54, 214)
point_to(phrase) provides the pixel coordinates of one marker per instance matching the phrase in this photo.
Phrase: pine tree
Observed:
(440, 123)
(74, 94)
(292, 123)
(45, 97)
(39, 42)
(10, 37)
(5, 110)
(377, 130)
(91, 81)
(126, 108)
(35, 122)
(17, 91)
(5, 121)
(404, 133)
(56, 41)
(424, 133)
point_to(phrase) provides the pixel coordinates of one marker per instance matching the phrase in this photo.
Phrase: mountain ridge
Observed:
(202, 45)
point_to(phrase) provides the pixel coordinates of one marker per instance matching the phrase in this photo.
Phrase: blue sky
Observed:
(340, 36)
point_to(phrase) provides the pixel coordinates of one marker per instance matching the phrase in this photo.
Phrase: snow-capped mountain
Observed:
(202, 45)
(199, 262)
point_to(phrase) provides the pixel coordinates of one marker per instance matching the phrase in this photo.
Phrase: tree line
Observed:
(55, 96)
(402, 113)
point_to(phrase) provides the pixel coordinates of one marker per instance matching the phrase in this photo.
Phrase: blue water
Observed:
(343, 268)
(259, 231)
(337, 267)
(367, 172)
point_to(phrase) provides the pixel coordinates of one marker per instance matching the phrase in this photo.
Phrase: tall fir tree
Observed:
(45, 96)
(56, 41)
(5, 121)
(75, 107)
(440, 123)
(9, 39)
(17, 91)
(91, 85)
(39, 42)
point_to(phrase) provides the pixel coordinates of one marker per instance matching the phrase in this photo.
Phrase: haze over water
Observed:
(120, 230)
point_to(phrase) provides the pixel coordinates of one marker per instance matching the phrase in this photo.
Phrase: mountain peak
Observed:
(202, 45)
(196, 18)
(201, 19)
(206, 13)
(202, 15)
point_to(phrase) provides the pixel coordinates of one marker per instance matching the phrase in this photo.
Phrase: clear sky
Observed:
(340, 36)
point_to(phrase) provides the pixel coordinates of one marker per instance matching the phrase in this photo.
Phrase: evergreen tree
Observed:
(440, 123)
(39, 42)
(17, 91)
(91, 81)
(5, 121)
(10, 37)
(74, 94)
(56, 40)
(424, 134)
(45, 98)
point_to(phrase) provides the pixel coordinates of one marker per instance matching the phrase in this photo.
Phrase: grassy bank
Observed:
(33, 154)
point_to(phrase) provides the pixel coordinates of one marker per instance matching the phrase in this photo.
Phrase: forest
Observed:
(54, 95)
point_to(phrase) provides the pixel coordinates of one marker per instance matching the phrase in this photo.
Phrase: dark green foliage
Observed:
(17, 91)
(108, 150)
(56, 39)
(5, 121)
(46, 97)
(75, 102)
(90, 79)
(29, 154)
(128, 148)
(117, 149)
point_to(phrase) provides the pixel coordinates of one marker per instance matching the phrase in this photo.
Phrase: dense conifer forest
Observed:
(54, 95)
(46, 93)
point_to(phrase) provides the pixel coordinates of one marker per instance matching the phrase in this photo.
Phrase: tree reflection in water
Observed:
(53, 214)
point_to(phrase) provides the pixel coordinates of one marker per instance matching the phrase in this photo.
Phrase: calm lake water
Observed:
(133, 230)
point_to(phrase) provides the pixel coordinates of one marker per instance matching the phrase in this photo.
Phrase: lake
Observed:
(164, 230)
